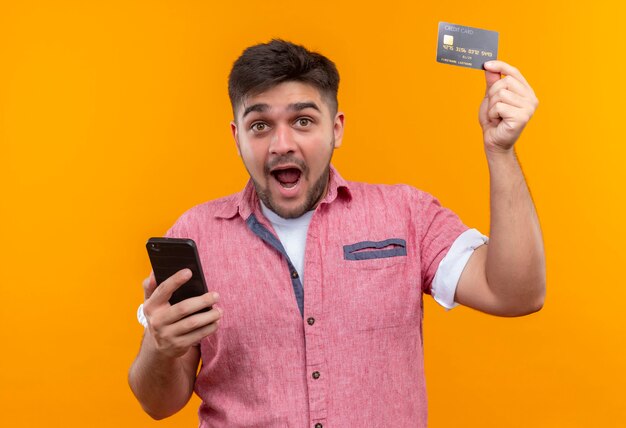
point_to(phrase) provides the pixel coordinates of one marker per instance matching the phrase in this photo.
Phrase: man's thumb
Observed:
(149, 285)
(491, 78)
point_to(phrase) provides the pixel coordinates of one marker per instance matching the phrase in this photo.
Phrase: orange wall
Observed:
(114, 120)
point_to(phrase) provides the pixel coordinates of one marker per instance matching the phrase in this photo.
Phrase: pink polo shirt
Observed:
(345, 350)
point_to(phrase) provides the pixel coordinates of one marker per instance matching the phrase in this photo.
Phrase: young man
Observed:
(320, 280)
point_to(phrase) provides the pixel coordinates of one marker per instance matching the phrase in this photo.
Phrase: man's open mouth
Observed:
(287, 177)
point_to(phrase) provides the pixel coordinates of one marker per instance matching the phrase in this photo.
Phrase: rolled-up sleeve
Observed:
(451, 266)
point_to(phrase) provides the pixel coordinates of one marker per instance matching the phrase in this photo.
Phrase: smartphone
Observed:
(168, 256)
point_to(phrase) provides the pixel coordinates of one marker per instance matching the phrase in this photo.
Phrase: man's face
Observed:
(286, 137)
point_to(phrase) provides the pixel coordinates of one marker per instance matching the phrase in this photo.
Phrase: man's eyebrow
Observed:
(260, 108)
(302, 106)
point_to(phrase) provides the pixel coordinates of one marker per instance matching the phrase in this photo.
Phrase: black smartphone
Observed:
(168, 256)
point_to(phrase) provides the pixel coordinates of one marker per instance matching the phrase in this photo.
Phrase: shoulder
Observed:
(206, 214)
(215, 208)
(393, 194)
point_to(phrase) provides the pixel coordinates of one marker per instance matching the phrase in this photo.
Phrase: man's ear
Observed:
(338, 128)
(233, 129)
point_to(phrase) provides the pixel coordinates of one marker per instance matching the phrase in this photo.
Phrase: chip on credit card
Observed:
(466, 46)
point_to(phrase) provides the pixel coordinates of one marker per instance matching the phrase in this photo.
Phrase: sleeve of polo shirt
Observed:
(439, 228)
(180, 228)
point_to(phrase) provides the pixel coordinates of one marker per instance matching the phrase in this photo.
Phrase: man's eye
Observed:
(259, 127)
(303, 121)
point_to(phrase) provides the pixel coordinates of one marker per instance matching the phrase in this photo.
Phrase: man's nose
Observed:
(282, 140)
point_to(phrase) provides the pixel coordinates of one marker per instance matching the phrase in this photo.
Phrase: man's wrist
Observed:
(500, 156)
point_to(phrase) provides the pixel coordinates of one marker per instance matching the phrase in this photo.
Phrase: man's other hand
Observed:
(172, 328)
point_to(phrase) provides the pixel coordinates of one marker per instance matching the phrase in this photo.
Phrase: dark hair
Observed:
(266, 65)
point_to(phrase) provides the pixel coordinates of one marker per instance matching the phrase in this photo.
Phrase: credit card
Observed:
(466, 46)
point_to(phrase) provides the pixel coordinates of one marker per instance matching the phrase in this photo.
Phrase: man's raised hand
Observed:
(508, 105)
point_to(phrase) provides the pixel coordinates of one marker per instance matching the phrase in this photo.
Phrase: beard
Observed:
(313, 196)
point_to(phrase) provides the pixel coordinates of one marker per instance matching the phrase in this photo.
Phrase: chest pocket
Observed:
(375, 254)
(378, 288)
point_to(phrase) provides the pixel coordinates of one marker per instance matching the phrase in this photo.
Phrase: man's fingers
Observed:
(187, 307)
(176, 336)
(194, 322)
(165, 290)
(195, 336)
(513, 85)
(176, 339)
(512, 115)
(507, 97)
(504, 68)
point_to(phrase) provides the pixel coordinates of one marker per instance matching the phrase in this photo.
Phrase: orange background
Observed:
(114, 120)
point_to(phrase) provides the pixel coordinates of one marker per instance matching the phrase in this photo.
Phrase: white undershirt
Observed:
(292, 234)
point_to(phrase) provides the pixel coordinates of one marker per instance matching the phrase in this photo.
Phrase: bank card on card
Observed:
(466, 46)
